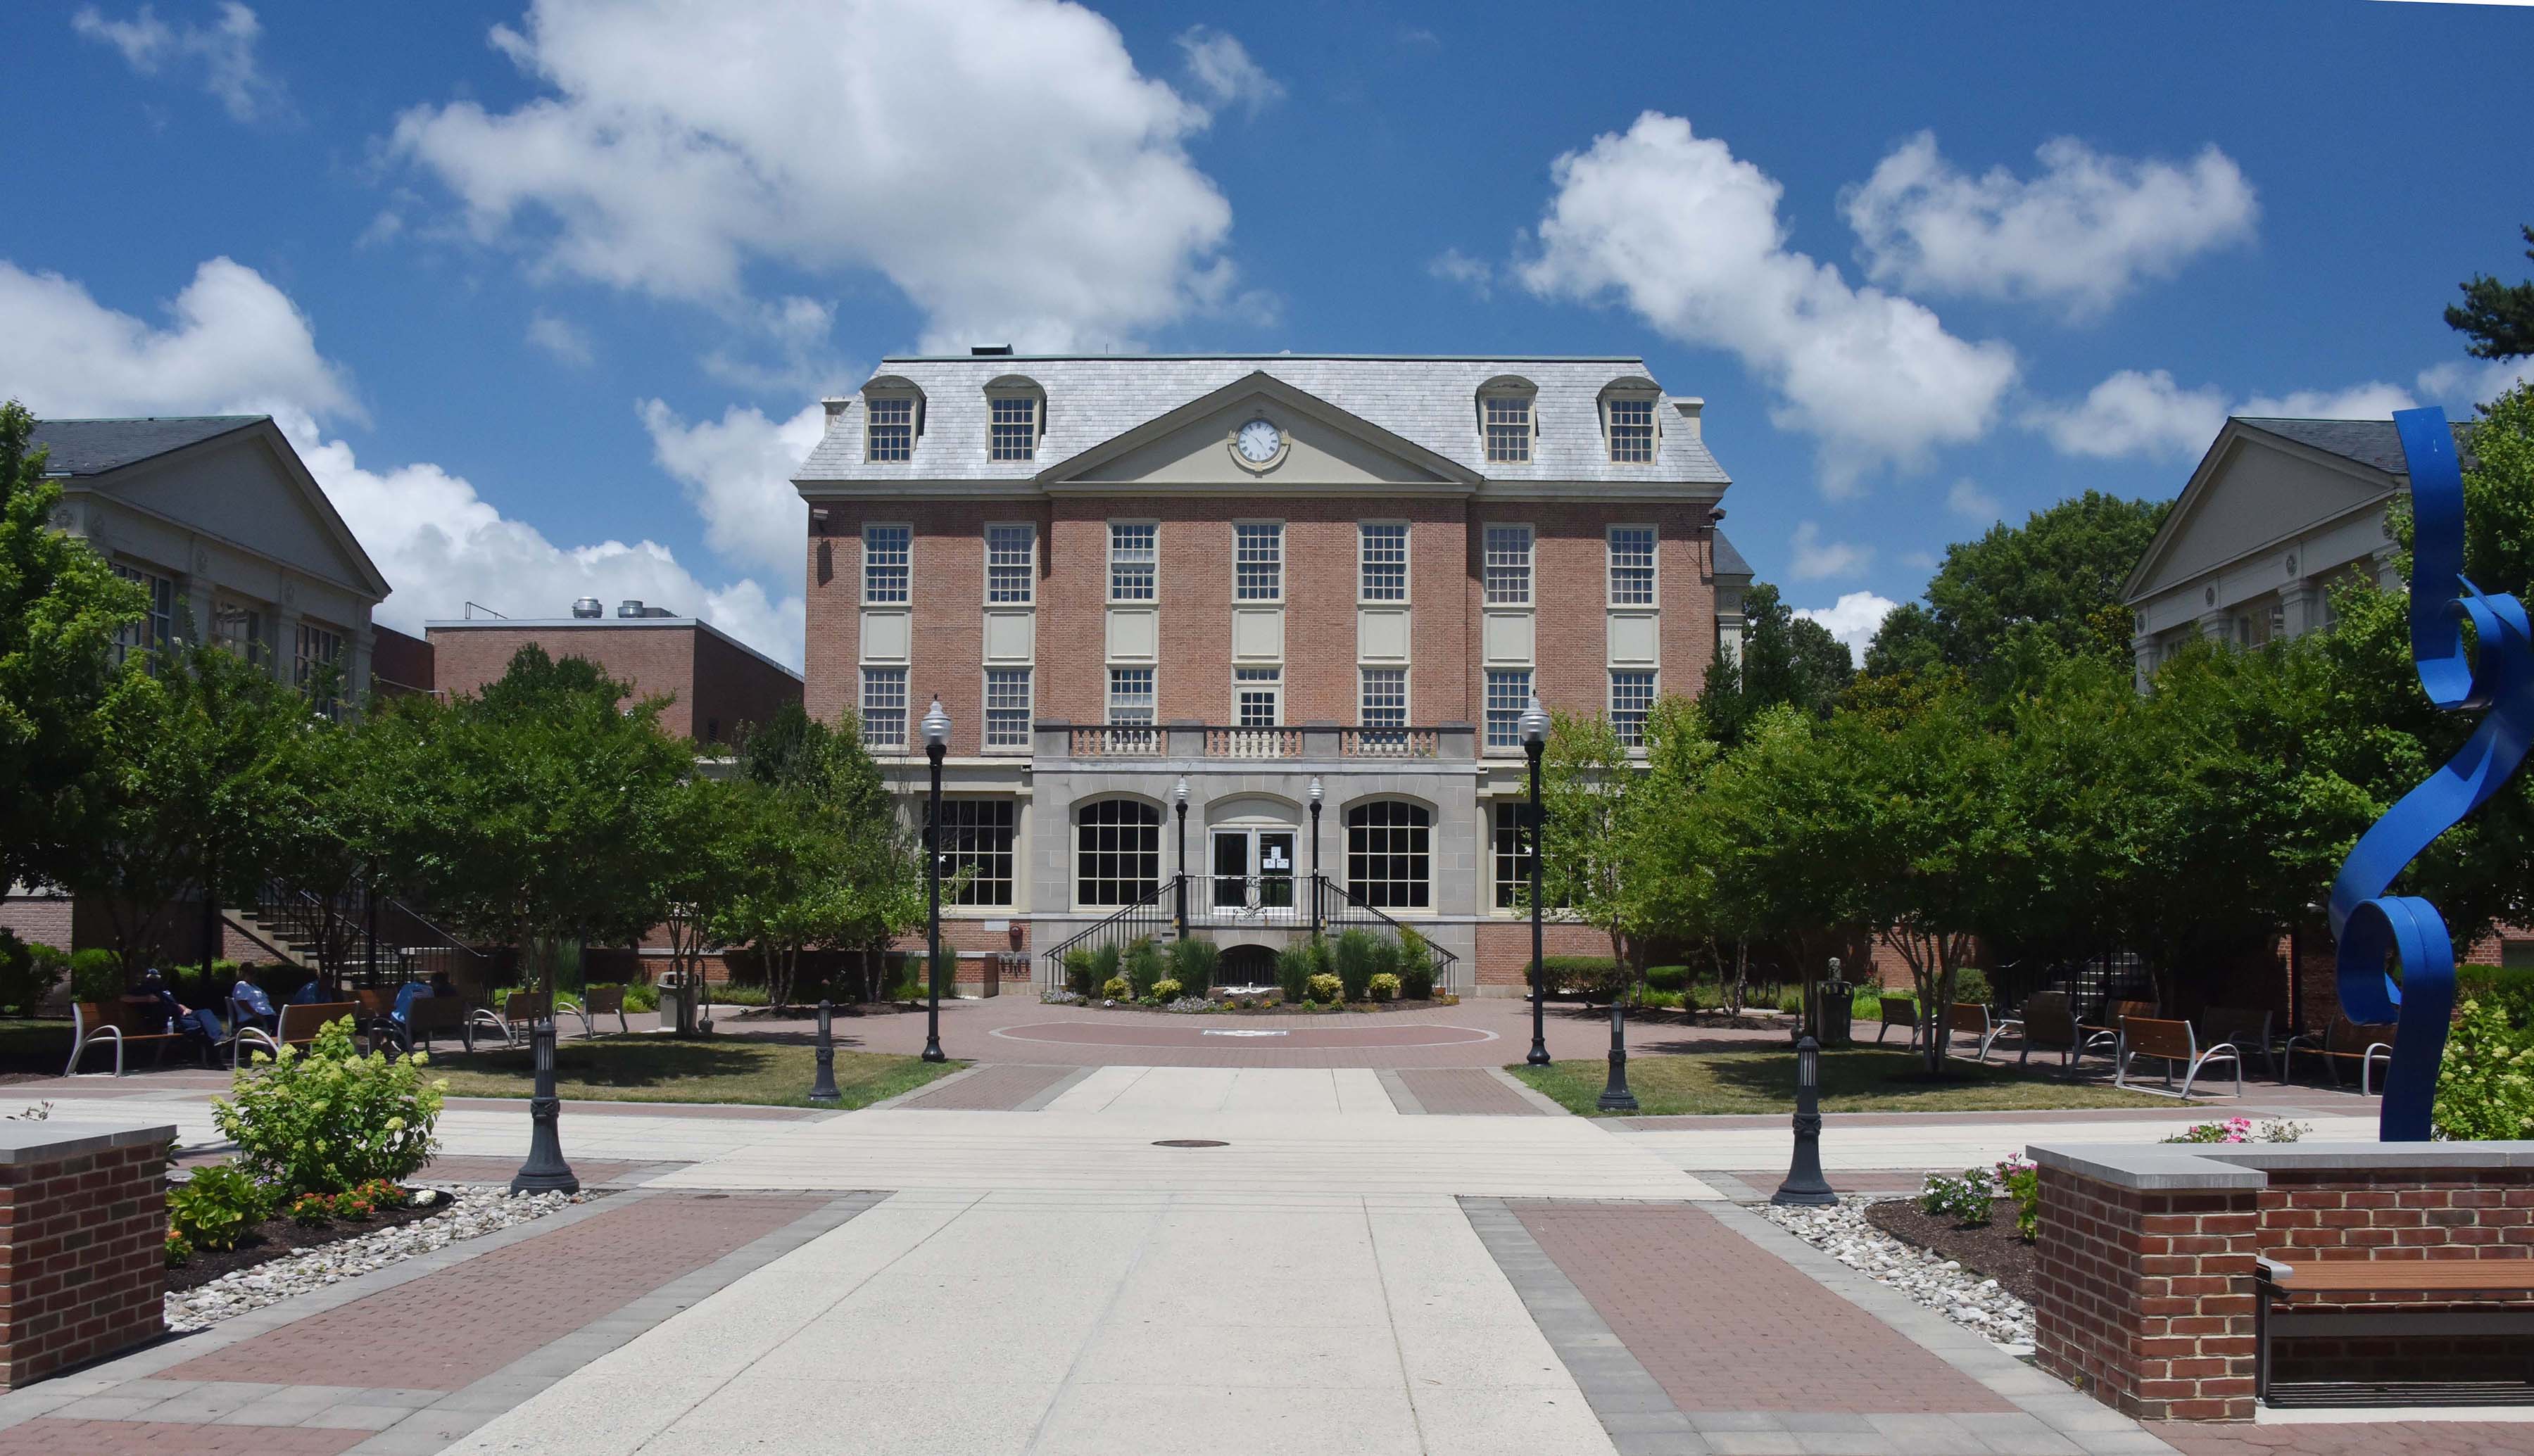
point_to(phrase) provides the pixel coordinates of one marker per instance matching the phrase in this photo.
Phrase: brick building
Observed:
(717, 684)
(1257, 576)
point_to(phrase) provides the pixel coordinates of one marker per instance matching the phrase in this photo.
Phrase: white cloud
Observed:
(1816, 558)
(1003, 163)
(2464, 383)
(2145, 413)
(559, 337)
(1853, 619)
(1688, 238)
(1222, 69)
(795, 330)
(2084, 233)
(225, 49)
(235, 344)
(1966, 499)
(1452, 266)
(738, 473)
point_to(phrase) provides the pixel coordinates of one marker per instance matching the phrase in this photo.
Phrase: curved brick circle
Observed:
(1297, 1038)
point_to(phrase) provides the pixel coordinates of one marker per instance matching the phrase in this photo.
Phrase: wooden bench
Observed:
(433, 1016)
(2247, 1028)
(2106, 1034)
(598, 1000)
(1898, 1010)
(2365, 1281)
(114, 1021)
(2050, 1022)
(2345, 1041)
(299, 1026)
(1972, 1018)
(2170, 1042)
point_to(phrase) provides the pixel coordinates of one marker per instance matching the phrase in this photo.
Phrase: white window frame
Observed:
(863, 708)
(1610, 566)
(154, 629)
(994, 402)
(906, 588)
(1239, 593)
(1529, 432)
(1610, 425)
(1028, 567)
(1488, 564)
(1152, 708)
(1154, 594)
(1029, 706)
(1257, 676)
(1407, 562)
(1654, 691)
(1362, 680)
(871, 425)
(1489, 710)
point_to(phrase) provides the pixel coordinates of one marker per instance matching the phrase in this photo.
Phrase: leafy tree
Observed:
(1781, 804)
(2057, 579)
(2500, 317)
(1598, 802)
(1784, 660)
(60, 606)
(712, 863)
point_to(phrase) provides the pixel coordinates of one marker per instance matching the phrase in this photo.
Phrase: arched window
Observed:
(1118, 852)
(1389, 854)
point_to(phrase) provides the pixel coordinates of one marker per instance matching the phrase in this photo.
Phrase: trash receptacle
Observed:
(1835, 1009)
(671, 988)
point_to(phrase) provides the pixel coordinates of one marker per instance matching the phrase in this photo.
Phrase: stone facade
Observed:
(82, 1220)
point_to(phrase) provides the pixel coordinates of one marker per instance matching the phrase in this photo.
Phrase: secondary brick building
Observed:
(717, 686)
(1257, 576)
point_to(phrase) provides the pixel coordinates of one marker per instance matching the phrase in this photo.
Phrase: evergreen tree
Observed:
(1785, 662)
(2500, 317)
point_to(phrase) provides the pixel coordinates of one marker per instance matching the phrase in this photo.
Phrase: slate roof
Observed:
(1729, 562)
(94, 447)
(2371, 442)
(1094, 398)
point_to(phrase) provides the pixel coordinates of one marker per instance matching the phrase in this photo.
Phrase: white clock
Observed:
(1259, 442)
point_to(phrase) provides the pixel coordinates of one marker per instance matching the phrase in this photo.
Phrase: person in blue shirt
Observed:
(254, 1007)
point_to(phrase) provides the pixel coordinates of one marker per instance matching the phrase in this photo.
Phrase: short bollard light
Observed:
(545, 1172)
(1804, 1184)
(823, 1089)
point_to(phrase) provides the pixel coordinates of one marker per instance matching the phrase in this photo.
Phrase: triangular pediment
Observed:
(2253, 489)
(249, 487)
(1319, 447)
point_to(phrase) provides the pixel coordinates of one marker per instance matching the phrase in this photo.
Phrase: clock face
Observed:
(1259, 442)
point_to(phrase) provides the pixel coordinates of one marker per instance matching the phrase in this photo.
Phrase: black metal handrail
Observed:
(1311, 905)
(1152, 915)
(1338, 908)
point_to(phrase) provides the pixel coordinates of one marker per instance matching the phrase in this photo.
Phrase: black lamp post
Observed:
(1315, 854)
(822, 1087)
(1178, 799)
(1804, 1183)
(1534, 738)
(936, 742)
(545, 1172)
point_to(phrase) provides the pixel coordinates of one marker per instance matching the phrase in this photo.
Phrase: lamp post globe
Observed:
(1534, 726)
(936, 742)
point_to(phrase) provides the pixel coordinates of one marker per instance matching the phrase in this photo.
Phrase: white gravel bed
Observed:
(477, 1211)
(1968, 1300)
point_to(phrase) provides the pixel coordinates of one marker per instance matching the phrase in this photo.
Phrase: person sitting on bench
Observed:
(250, 1004)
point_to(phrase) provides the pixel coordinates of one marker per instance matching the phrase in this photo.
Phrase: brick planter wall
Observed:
(2145, 1262)
(83, 1217)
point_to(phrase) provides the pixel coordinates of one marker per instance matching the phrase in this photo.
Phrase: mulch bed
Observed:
(276, 1237)
(1993, 1250)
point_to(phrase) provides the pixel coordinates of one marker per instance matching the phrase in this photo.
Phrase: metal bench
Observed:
(298, 1027)
(1898, 1010)
(2365, 1283)
(521, 1010)
(597, 1001)
(2247, 1028)
(2105, 1035)
(2050, 1022)
(112, 1021)
(1972, 1018)
(433, 1016)
(2170, 1042)
(2344, 1040)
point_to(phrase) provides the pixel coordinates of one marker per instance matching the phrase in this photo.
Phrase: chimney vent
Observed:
(631, 607)
(990, 350)
(587, 607)
(1689, 408)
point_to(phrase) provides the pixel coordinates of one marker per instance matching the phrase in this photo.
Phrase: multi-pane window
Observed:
(1632, 431)
(240, 630)
(1508, 418)
(1632, 566)
(886, 551)
(1130, 695)
(885, 708)
(318, 651)
(1015, 428)
(1011, 563)
(892, 430)
(1384, 698)
(1508, 565)
(1389, 854)
(1255, 691)
(1131, 560)
(1384, 555)
(1257, 561)
(1632, 695)
(156, 629)
(1512, 853)
(1007, 707)
(1118, 852)
(1508, 693)
(977, 836)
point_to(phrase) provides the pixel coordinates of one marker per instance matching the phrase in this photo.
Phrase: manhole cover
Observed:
(1246, 1031)
(1191, 1142)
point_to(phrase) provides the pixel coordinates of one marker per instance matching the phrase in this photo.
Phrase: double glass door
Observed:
(1253, 870)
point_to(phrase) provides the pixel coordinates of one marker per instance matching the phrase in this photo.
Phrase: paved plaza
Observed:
(1423, 1256)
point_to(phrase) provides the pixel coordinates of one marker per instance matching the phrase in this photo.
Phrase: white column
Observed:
(2218, 627)
(356, 671)
(2142, 648)
(2303, 604)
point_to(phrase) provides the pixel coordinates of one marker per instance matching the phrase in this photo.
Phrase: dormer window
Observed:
(1508, 418)
(891, 434)
(1016, 416)
(1632, 430)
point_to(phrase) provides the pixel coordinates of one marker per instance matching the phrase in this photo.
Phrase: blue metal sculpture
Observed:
(2499, 676)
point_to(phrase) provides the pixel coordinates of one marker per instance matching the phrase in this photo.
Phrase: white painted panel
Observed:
(1134, 633)
(1636, 640)
(1010, 636)
(1258, 633)
(1381, 633)
(885, 637)
(1508, 639)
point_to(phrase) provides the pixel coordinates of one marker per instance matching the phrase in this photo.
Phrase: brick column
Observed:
(82, 1220)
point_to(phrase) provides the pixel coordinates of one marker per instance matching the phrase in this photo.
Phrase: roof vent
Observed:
(587, 607)
(631, 607)
(987, 350)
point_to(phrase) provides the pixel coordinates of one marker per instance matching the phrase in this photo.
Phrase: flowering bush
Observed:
(1115, 989)
(1326, 989)
(328, 1119)
(2021, 1178)
(1165, 990)
(179, 1248)
(2486, 1083)
(1384, 986)
(2240, 1129)
(312, 1211)
(1966, 1200)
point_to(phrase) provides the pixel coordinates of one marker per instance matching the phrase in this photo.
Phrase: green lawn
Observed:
(657, 1068)
(1857, 1080)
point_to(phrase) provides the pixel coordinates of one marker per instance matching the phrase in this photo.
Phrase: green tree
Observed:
(60, 606)
(2500, 317)
(1781, 804)
(1784, 660)
(710, 827)
(2056, 579)
(1599, 802)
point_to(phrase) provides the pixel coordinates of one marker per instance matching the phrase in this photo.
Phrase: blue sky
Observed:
(545, 292)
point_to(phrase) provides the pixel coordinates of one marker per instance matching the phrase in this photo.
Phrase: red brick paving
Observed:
(447, 1329)
(47, 1436)
(1722, 1324)
(990, 1089)
(2357, 1438)
(1466, 1091)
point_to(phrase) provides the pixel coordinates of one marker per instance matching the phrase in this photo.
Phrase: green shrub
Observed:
(1417, 983)
(1354, 951)
(2486, 1083)
(328, 1118)
(312, 1211)
(179, 1248)
(1115, 989)
(1165, 990)
(1971, 984)
(2509, 992)
(1143, 966)
(1595, 978)
(1790, 998)
(1667, 978)
(1867, 1004)
(1966, 1200)
(1328, 991)
(1107, 965)
(27, 973)
(2020, 1180)
(1192, 964)
(1293, 972)
(1385, 958)
(724, 993)
(1669, 1001)
(1077, 973)
(96, 974)
(217, 1206)
(1384, 986)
